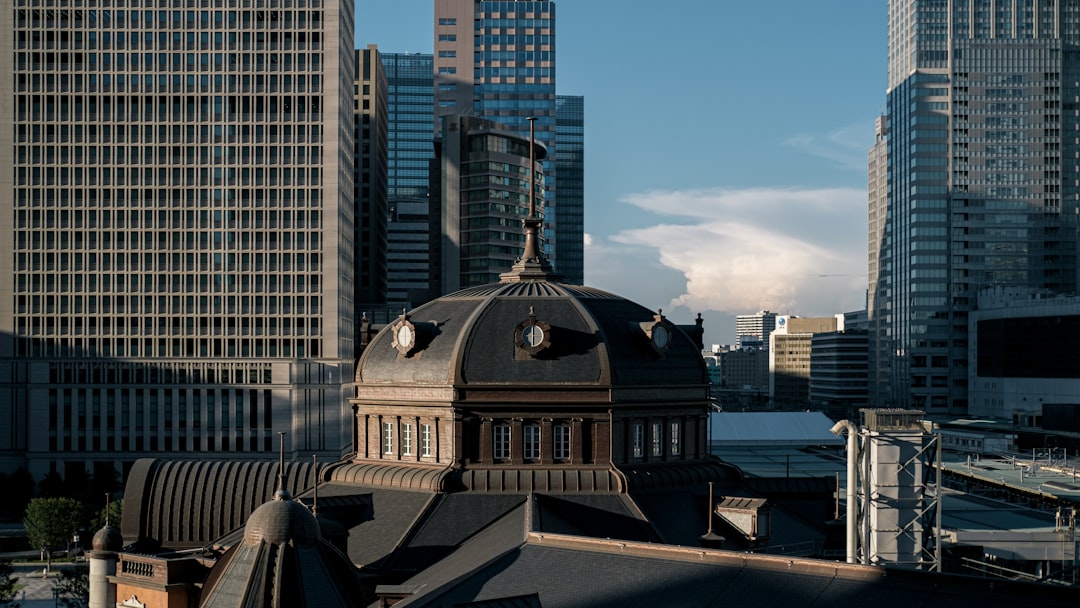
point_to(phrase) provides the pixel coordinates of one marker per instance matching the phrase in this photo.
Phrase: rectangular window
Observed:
(447, 21)
(637, 432)
(502, 442)
(425, 440)
(532, 442)
(657, 439)
(562, 442)
(447, 37)
(388, 438)
(406, 439)
(676, 438)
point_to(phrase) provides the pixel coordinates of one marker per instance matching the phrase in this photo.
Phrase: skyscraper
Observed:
(496, 60)
(753, 330)
(570, 166)
(177, 217)
(411, 97)
(370, 178)
(979, 154)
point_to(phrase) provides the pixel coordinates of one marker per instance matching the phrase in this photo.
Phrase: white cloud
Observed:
(787, 250)
(846, 147)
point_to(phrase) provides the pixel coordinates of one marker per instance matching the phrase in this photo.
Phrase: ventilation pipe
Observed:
(852, 482)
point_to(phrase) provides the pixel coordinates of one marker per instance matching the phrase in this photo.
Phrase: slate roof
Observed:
(567, 571)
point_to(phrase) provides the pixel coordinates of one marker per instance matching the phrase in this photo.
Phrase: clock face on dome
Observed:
(660, 337)
(532, 336)
(405, 336)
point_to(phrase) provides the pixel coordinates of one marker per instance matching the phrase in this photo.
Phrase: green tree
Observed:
(7, 585)
(51, 522)
(74, 586)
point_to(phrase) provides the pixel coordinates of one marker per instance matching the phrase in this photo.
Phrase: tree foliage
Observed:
(74, 586)
(7, 585)
(51, 522)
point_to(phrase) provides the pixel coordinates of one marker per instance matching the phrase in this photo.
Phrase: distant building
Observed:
(570, 167)
(838, 372)
(410, 84)
(752, 331)
(790, 345)
(483, 194)
(370, 177)
(1024, 358)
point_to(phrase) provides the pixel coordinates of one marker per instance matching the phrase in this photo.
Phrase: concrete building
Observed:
(177, 214)
(789, 358)
(482, 189)
(752, 331)
(839, 372)
(971, 181)
(1023, 357)
(370, 166)
(411, 150)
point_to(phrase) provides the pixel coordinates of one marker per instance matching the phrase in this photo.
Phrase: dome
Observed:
(282, 521)
(107, 538)
(533, 333)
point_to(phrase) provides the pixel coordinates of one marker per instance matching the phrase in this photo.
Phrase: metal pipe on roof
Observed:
(852, 481)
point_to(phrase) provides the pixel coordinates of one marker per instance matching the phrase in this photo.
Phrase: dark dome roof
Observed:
(282, 521)
(107, 538)
(596, 338)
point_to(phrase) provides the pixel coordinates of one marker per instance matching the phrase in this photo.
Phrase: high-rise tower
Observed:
(979, 154)
(176, 211)
(496, 60)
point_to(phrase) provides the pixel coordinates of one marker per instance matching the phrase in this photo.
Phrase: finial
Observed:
(281, 493)
(106, 509)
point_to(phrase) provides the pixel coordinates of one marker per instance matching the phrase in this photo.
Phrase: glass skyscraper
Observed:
(411, 98)
(570, 165)
(176, 208)
(973, 181)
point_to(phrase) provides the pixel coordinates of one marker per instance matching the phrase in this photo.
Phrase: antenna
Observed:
(532, 168)
(315, 500)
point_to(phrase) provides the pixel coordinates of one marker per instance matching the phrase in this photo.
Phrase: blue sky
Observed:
(726, 143)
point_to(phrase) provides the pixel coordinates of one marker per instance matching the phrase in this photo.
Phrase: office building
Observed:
(480, 194)
(839, 371)
(178, 222)
(790, 345)
(980, 181)
(370, 179)
(752, 331)
(496, 60)
(570, 167)
(411, 97)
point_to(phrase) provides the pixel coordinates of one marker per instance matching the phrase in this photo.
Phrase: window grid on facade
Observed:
(637, 431)
(532, 442)
(676, 438)
(388, 438)
(425, 440)
(658, 439)
(406, 439)
(501, 444)
(561, 444)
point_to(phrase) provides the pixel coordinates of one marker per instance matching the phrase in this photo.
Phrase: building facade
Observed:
(570, 167)
(752, 331)
(839, 372)
(980, 185)
(177, 210)
(411, 98)
(790, 345)
(370, 164)
(496, 60)
(482, 188)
